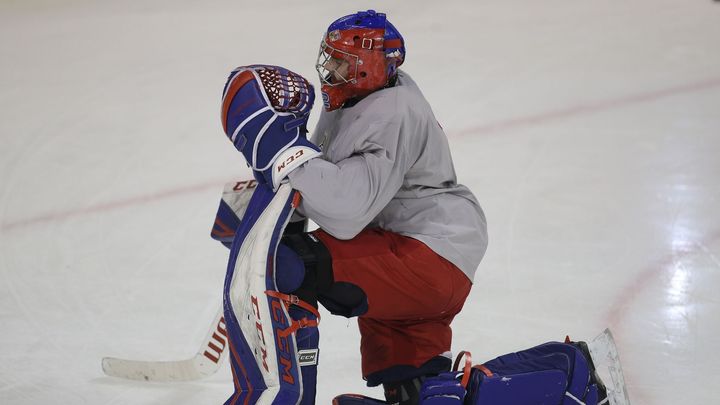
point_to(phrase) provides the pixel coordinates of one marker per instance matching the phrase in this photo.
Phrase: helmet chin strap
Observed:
(351, 102)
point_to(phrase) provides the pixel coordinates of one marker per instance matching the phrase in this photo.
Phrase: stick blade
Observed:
(158, 371)
(206, 362)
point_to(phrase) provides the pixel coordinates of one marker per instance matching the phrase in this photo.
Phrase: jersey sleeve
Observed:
(345, 196)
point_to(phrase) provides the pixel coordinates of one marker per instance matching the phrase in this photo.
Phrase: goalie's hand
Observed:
(265, 111)
(283, 160)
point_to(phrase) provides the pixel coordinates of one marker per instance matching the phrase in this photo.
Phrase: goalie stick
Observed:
(235, 198)
(206, 362)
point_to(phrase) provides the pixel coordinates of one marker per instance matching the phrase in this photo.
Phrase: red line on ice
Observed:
(492, 127)
(622, 304)
(110, 206)
(588, 108)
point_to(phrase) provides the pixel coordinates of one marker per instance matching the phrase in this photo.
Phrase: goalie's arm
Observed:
(344, 197)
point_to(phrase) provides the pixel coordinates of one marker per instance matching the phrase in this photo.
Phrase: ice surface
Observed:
(589, 131)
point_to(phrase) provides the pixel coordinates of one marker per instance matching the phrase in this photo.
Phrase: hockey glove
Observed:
(264, 113)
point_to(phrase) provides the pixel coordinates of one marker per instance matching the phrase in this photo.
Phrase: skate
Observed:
(594, 376)
(606, 362)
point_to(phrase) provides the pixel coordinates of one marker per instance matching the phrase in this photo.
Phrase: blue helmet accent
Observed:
(392, 33)
(372, 19)
(361, 19)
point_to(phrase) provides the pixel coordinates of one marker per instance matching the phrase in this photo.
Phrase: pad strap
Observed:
(466, 369)
(289, 299)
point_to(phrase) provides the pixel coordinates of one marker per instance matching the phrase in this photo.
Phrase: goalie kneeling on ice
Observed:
(551, 373)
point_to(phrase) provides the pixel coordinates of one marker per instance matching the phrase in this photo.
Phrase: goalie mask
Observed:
(359, 54)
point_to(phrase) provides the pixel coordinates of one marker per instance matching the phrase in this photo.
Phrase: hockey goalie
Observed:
(398, 244)
(405, 293)
(399, 238)
(278, 273)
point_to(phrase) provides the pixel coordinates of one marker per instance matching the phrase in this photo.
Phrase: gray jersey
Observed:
(386, 163)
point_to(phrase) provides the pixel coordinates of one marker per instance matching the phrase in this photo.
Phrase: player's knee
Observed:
(304, 266)
(304, 269)
(290, 269)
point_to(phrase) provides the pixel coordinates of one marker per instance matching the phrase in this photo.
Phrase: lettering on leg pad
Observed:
(308, 357)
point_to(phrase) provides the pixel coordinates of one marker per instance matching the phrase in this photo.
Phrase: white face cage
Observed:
(338, 69)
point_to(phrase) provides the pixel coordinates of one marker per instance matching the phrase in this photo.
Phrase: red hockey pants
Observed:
(413, 295)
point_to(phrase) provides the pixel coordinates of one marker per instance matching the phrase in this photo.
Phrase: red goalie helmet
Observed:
(360, 53)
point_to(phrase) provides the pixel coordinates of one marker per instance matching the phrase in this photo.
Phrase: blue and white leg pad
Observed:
(269, 364)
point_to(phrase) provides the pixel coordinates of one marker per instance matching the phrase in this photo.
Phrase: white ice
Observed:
(589, 131)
